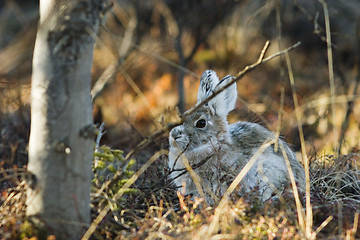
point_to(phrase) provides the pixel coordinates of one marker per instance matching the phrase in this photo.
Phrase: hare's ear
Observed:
(208, 82)
(226, 100)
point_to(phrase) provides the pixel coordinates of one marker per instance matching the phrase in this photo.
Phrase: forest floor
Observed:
(141, 98)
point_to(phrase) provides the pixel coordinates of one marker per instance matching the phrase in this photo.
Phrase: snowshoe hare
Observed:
(217, 151)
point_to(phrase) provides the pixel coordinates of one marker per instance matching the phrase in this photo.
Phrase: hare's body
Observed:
(217, 151)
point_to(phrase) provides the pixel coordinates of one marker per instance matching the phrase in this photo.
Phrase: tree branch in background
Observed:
(124, 50)
(175, 29)
(182, 62)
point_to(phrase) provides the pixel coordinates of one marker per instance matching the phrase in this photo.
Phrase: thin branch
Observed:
(123, 51)
(182, 62)
(195, 166)
(155, 55)
(242, 73)
(98, 138)
(169, 126)
(239, 76)
(141, 95)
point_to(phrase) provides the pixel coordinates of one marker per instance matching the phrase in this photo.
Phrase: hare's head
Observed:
(207, 127)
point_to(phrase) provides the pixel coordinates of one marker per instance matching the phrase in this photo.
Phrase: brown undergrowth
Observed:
(158, 211)
(145, 88)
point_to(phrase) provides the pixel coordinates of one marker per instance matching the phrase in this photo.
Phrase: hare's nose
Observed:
(176, 132)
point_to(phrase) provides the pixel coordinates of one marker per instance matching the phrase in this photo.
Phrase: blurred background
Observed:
(149, 57)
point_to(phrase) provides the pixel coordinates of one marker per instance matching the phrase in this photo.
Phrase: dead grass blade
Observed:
(331, 71)
(224, 200)
(193, 175)
(351, 234)
(321, 227)
(121, 191)
(309, 217)
(332, 95)
(299, 208)
(169, 126)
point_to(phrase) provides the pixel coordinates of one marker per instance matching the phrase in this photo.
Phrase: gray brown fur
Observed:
(218, 151)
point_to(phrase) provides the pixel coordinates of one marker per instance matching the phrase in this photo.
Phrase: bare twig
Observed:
(136, 88)
(318, 29)
(175, 30)
(182, 62)
(97, 141)
(169, 126)
(239, 76)
(124, 49)
(303, 10)
(170, 20)
(156, 56)
(99, 136)
(327, 101)
(242, 73)
(195, 166)
(106, 77)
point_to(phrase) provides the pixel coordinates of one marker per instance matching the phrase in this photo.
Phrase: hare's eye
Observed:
(201, 123)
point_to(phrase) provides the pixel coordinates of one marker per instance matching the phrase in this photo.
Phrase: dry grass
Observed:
(312, 107)
(161, 212)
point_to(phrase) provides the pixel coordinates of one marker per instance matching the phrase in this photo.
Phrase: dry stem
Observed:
(121, 191)
(309, 217)
(169, 126)
(154, 136)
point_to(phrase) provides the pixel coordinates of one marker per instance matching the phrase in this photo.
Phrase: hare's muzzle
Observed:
(176, 133)
(177, 136)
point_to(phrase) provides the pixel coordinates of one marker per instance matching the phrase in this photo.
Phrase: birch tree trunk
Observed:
(61, 146)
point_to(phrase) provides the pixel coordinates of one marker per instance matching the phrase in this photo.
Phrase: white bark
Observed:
(61, 147)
